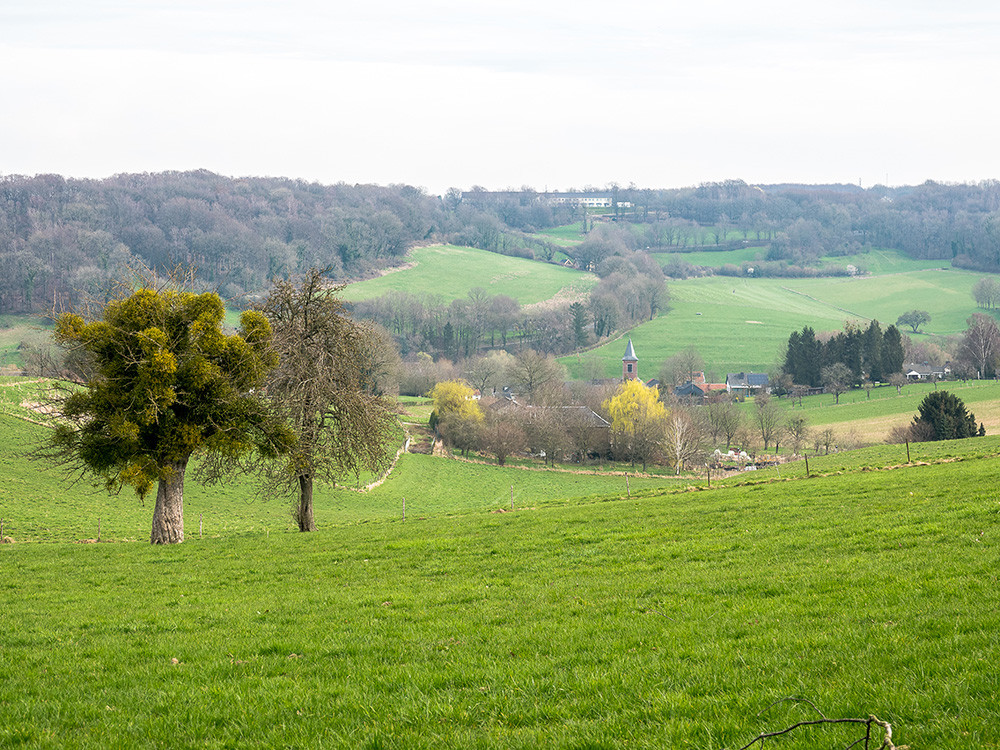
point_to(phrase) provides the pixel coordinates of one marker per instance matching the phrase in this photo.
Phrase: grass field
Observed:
(667, 620)
(743, 324)
(449, 272)
(17, 328)
(568, 235)
(877, 262)
(871, 419)
(710, 259)
(37, 504)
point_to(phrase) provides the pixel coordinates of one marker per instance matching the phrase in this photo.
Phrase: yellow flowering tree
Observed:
(638, 422)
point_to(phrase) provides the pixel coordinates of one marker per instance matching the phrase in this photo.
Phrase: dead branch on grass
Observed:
(887, 743)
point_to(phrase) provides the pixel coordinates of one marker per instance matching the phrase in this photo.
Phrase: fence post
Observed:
(628, 490)
(201, 524)
(98, 528)
(512, 497)
(907, 451)
(708, 472)
(806, 455)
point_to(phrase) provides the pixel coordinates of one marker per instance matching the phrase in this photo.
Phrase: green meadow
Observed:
(17, 328)
(742, 324)
(39, 504)
(449, 272)
(668, 619)
(710, 259)
(876, 262)
(567, 235)
(870, 419)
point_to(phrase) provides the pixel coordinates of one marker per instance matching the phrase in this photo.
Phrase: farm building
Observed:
(747, 383)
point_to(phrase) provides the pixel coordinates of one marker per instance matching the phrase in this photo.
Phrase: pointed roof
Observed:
(630, 353)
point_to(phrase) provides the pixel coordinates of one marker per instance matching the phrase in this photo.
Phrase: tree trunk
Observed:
(304, 513)
(168, 515)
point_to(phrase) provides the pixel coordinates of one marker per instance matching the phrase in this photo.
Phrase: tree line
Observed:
(862, 353)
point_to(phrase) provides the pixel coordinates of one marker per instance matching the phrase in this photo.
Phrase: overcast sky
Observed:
(548, 93)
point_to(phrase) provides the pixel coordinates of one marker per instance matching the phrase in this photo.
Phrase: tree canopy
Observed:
(455, 399)
(166, 384)
(914, 319)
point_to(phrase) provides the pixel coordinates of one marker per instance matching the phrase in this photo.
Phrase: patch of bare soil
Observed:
(40, 408)
(403, 267)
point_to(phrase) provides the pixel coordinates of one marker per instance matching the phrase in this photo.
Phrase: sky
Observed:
(552, 94)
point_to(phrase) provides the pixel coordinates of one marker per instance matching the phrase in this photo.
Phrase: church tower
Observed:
(630, 363)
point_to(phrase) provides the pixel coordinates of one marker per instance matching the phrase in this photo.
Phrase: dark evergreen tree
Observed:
(804, 357)
(872, 341)
(945, 417)
(892, 352)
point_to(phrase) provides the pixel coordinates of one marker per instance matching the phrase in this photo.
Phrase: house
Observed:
(747, 383)
(926, 372)
(690, 392)
(697, 391)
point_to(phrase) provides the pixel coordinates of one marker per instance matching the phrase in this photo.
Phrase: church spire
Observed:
(630, 363)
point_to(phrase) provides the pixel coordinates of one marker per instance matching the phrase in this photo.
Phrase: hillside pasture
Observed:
(669, 620)
(735, 324)
(710, 259)
(871, 419)
(566, 235)
(741, 324)
(882, 261)
(449, 272)
(876, 262)
(17, 328)
(945, 294)
(38, 503)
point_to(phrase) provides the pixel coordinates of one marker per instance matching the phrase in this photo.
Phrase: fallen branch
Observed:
(866, 738)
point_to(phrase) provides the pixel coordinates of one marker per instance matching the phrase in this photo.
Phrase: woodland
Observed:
(59, 235)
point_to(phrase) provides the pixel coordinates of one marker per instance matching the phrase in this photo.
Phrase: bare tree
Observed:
(488, 372)
(766, 418)
(503, 437)
(538, 377)
(463, 433)
(981, 344)
(685, 439)
(681, 367)
(797, 427)
(546, 433)
(836, 379)
(724, 419)
(341, 428)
